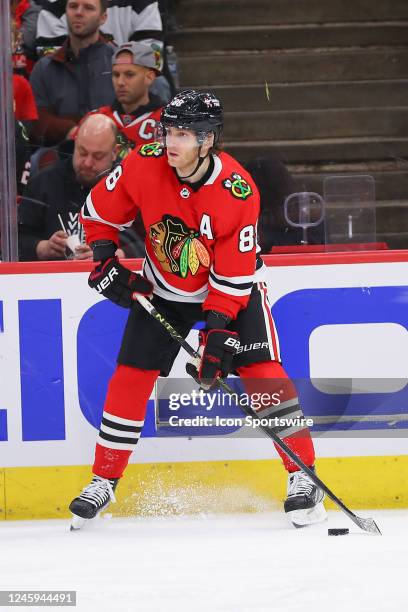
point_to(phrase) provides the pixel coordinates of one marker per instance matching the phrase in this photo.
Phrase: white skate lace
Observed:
(299, 484)
(97, 491)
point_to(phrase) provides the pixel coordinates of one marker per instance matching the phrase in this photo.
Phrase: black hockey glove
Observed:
(217, 349)
(113, 280)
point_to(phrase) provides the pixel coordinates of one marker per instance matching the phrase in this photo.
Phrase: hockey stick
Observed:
(366, 524)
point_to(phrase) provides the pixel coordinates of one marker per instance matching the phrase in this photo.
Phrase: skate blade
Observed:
(77, 522)
(309, 516)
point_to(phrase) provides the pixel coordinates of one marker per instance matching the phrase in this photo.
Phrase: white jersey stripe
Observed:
(118, 433)
(115, 445)
(51, 26)
(233, 279)
(259, 275)
(229, 290)
(270, 330)
(140, 118)
(122, 421)
(173, 297)
(93, 215)
(117, 118)
(163, 289)
(271, 409)
(132, 123)
(216, 171)
(290, 431)
(275, 331)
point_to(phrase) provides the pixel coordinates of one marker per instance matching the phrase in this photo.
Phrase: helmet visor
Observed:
(179, 135)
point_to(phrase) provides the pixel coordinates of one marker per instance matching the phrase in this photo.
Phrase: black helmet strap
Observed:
(198, 165)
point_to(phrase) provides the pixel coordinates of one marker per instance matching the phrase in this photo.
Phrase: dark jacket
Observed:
(67, 87)
(53, 191)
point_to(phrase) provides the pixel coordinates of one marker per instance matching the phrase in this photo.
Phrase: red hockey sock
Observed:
(269, 377)
(122, 420)
(302, 445)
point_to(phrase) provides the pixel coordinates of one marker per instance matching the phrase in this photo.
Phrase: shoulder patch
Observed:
(151, 149)
(238, 186)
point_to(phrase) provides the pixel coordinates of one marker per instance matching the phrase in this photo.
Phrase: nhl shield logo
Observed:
(185, 192)
(238, 186)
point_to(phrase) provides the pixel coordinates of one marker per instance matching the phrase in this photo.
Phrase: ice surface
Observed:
(236, 563)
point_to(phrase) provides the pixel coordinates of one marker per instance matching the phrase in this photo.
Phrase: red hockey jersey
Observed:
(134, 129)
(201, 242)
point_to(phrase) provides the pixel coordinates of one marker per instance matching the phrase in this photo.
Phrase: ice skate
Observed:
(304, 501)
(92, 500)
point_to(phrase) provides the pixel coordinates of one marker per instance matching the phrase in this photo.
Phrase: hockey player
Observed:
(200, 209)
(135, 111)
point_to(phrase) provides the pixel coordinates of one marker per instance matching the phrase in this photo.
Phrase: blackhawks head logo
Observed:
(152, 149)
(238, 186)
(177, 247)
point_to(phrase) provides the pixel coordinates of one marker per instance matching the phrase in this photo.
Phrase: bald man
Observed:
(49, 212)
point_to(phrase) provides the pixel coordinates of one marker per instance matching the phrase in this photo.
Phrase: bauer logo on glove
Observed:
(217, 349)
(107, 280)
(114, 281)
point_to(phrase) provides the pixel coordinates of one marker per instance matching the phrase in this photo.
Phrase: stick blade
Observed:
(368, 524)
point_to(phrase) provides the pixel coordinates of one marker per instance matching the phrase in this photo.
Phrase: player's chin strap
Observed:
(199, 163)
(366, 524)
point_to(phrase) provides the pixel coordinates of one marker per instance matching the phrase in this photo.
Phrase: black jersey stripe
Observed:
(146, 34)
(156, 279)
(138, 6)
(120, 426)
(231, 283)
(117, 439)
(52, 41)
(164, 287)
(85, 211)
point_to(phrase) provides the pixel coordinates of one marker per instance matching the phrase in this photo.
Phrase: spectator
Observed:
(25, 108)
(129, 20)
(135, 111)
(126, 20)
(77, 78)
(49, 211)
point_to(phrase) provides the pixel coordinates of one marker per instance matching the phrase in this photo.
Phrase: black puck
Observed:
(336, 532)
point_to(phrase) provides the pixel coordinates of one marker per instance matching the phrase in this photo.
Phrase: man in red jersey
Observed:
(200, 210)
(135, 110)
